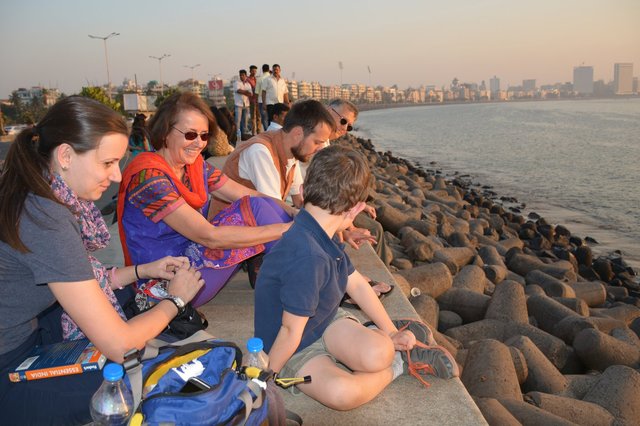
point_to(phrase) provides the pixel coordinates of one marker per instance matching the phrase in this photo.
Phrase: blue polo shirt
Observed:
(305, 274)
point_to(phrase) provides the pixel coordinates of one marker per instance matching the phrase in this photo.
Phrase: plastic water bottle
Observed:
(112, 404)
(257, 357)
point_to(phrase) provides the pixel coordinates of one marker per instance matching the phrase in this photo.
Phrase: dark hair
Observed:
(167, 116)
(253, 67)
(139, 127)
(265, 67)
(222, 120)
(337, 179)
(77, 121)
(308, 114)
(279, 108)
(242, 71)
(232, 135)
(275, 65)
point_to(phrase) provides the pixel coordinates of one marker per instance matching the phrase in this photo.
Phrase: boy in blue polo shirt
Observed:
(300, 286)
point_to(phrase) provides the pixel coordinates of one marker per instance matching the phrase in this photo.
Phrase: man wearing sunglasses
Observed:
(268, 162)
(365, 227)
(345, 115)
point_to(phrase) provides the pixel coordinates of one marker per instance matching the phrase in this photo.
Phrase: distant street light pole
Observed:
(341, 67)
(192, 67)
(160, 66)
(106, 57)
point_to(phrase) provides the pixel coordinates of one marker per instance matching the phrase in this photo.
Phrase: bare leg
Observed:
(367, 352)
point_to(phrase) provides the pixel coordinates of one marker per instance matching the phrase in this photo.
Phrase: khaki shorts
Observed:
(317, 348)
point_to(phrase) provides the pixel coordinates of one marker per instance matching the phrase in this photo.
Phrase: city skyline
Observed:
(414, 43)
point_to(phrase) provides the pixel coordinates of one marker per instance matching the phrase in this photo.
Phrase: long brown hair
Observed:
(78, 121)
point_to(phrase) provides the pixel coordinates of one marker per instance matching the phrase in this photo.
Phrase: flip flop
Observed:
(347, 302)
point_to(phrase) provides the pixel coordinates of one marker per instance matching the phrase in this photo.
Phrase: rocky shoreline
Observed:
(545, 332)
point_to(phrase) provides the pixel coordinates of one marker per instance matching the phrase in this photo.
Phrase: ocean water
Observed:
(576, 163)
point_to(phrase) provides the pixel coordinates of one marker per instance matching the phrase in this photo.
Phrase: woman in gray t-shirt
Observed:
(48, 228)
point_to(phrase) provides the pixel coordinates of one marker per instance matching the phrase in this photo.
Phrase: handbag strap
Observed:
(151, 350)
(249, 403)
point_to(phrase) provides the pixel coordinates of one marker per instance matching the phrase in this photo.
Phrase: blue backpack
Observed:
(195, 383)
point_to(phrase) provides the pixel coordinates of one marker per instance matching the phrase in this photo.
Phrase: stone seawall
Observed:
(544, 332)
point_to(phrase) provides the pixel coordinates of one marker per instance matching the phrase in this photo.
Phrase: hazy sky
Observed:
(405, 42)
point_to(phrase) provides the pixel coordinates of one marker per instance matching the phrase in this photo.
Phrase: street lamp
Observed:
(106, 57)
(160, 66)
(192, 67)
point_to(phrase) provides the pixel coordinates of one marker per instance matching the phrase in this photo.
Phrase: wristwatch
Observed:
(178, 302)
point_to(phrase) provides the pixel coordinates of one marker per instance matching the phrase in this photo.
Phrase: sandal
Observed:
(381, 288)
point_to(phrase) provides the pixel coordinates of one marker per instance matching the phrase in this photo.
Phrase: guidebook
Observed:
(59, 359)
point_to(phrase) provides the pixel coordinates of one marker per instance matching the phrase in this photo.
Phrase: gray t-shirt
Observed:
(57, 254)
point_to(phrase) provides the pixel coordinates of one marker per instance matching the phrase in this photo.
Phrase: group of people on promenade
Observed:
(185, 228)
(256, 98)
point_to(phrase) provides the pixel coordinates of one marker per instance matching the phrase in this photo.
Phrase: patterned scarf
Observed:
(95, 235)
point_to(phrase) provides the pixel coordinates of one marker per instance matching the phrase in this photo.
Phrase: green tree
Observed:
(168, 92)
(100, 95)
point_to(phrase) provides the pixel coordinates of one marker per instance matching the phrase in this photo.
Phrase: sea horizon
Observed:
(570, 162)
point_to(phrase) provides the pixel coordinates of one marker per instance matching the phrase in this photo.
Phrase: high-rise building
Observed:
(529, 85)
(583, 80)
(623, 78)
(494, 85)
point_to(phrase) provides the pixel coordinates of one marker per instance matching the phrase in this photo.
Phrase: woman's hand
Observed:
(403, 340)
(162, 268)
(185, 283)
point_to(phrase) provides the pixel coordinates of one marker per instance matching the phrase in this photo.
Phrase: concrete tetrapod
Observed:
(543, 375)
(469, 305)
(432, 279)
(485, 329)
(569, 327)
(548, 312)
(454, 257)
(579, 384)
(447, 320)
(580, 412)
(598, 350)
(489, 371)
(592, 292)
(471, 278)
(495, 269)
(522, 264)
(529, 415)
(554, 349)
(578, 306)
(551, 285)
(391, 218)
(508, 303)
(519, 363)
(426, 306)
(494, 413)
(618, 391)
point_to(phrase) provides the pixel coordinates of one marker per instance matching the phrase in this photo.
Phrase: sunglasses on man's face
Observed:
(343, 121)
(191, 136)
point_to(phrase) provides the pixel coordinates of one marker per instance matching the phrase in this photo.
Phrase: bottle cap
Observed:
(112, 372)
(255, 344)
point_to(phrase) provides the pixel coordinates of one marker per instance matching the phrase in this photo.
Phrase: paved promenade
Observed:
(404, 402)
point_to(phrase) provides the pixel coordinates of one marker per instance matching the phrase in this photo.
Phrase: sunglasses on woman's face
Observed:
(343, 121)
(191, 136)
